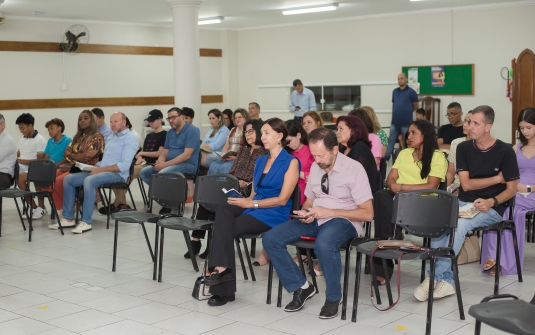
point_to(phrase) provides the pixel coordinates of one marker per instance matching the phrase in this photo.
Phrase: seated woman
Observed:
(269, 205)
(235, 141)
(377, 129)
(421, 166)
(451, 175)
(242, 169)
(354, 143)
(86, 147)
(525, 202)
(214, 139)
(227, 118)
(377, 146)
(311, 120)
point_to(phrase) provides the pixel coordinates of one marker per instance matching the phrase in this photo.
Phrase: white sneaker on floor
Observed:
(422, 291)
(443, 289)
(38, 213)
(82, 228)
(64, 224)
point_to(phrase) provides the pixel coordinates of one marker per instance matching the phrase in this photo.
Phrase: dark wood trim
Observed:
(211, 99)
(91, 102)
(100, 49)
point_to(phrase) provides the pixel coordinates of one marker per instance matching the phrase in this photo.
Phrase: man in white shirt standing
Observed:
(31, 146)
(8, 156)
(301, 101)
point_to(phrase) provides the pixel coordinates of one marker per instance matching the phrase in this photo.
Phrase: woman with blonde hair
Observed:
(311, 120)
(377, 129)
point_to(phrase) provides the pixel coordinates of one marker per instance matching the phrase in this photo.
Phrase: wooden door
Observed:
(523, 86)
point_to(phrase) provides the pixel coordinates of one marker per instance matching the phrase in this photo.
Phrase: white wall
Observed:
(375, 49)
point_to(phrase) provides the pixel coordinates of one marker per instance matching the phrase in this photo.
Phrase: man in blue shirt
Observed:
(103, 128)
(404, 102)
(119, 153)
(181, 148)
(58, 142)
(302, 100)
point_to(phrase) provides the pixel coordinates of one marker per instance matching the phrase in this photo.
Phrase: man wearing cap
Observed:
(152, 148)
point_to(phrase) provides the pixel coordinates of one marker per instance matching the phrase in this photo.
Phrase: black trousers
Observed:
(383, 205)
(229, 223)
(5, 181)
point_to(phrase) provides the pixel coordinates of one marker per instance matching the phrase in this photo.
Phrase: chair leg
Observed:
(253, 247)
(156, 235)
(517, 253)
(142, 190)
(357, 287)
(457, 286)
(375, 284)
(29, 216)
(426, 244)
(478, 328)
(430, 298)
(115, 245)
(311, 270)
(55, 211)
(387, 281)
(346, 281)
(238, 249)
(253, 278)
(162, 229)
(300, 261)
(109, 210)
(20, 214)
(279, 295)
(270, 283)
(147, 239)
(190, 249)
(497, 266)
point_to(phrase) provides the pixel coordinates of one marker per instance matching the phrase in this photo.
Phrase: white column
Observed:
(187, 70)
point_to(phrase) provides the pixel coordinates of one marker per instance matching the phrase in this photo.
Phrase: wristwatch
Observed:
(255, 204)
(528, 189)
(496, 203)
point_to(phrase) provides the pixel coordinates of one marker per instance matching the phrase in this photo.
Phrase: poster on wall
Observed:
(413, 75)
(438, 76)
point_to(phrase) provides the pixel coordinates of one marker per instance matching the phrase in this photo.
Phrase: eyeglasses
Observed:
(249, 132)
(171, 118)
(325, 180)
(451, 114)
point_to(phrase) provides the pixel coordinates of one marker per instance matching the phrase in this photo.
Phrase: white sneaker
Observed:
(82, 228)
(38, 213)
(422, 291)
(64, 224)
(443, 289)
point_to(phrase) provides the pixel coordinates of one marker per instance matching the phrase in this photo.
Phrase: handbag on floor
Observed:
(470, 251)
(200, 290)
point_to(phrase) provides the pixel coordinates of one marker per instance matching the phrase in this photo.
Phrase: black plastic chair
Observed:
(530, 229)
(42, 173)
(168, 190)
(121, 185)
(208, 194)
(436, 215)
(499, 227)
(382, 172)
(11, 193)
(511, 316)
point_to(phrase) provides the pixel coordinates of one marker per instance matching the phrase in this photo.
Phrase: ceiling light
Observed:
(211, 20)
(310, 9)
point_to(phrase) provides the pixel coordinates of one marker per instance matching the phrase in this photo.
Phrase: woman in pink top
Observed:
(297, 145)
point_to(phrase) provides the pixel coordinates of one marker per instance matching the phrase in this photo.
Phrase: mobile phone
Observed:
(294, 216)
(308, 238)
(297, 107)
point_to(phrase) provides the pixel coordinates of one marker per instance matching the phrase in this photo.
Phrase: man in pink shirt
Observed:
(339, 199)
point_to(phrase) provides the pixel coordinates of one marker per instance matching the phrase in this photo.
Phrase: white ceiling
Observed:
(239, 14)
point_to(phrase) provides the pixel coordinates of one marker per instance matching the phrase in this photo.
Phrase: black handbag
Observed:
(200, 290)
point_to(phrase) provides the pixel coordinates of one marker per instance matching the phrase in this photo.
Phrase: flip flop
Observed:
(489, 264)
(380, 280)
(492, 272)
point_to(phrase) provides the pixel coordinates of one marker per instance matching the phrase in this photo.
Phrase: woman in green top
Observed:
(420, 166)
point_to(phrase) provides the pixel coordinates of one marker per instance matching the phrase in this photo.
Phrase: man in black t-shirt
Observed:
(449, 132)
(488, 172)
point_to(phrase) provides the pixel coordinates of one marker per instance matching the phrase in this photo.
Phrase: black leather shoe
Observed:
(220, 300)
(300, 297)
(104, 210)
(329, 309)
(217, 278)
(196, 246)
(205, 254)
(165, 210)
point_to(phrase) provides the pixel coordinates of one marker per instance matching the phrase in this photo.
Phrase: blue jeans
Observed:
(219, 167)
(182, 168)
(395, 129)
(443, 269)
(330, 236)
(210, 158)
(90, 183)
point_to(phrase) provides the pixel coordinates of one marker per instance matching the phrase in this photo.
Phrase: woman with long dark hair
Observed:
(297, 145)
(525, 202)
(420, 166)
(228, 119)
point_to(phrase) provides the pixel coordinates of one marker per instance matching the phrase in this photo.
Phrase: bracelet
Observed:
(255, 204)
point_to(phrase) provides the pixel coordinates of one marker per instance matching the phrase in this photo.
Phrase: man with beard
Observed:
(339, 200)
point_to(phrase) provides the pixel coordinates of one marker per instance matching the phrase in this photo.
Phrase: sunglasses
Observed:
(325, 180)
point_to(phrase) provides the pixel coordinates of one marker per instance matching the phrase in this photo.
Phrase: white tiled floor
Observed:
(61, 285)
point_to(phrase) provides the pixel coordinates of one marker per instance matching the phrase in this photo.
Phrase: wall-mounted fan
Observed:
(73, 37)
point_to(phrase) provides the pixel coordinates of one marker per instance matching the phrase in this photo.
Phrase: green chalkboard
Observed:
(459, 79)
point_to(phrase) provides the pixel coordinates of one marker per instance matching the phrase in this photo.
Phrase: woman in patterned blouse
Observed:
(86, 147)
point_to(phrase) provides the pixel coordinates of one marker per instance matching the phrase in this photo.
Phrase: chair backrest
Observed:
(131, 171)
(296, 199)
(168, 189)
(426, 213)
(382, 172)
(208, 190)
(42, 172)
(443, 184)
(511, 205)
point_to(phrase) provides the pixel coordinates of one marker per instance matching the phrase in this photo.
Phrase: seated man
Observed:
(58, 141)
(449, 132)
(181, 149)
(488, 172)
(119, 152)
(8, 156)
(339, 199)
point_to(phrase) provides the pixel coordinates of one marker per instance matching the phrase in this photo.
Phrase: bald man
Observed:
(404, 102)
(119, 152)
